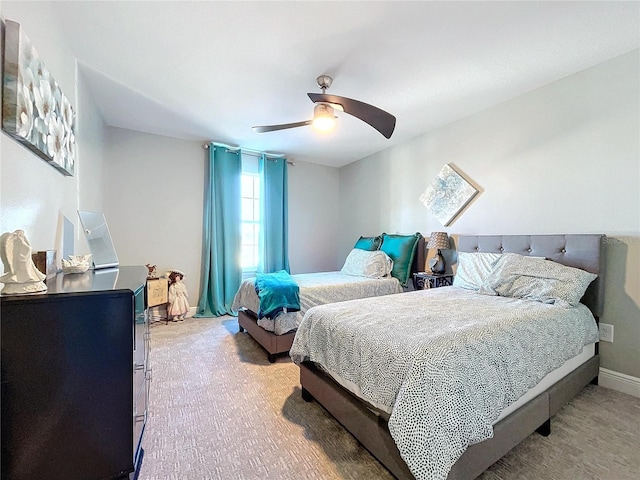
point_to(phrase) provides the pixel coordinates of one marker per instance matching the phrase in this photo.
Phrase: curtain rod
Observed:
(248, 151)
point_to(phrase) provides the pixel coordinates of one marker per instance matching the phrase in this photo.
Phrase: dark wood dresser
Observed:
(75, 377)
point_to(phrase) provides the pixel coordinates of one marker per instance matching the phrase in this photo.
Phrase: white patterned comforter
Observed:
(315, 289)
(447, 360)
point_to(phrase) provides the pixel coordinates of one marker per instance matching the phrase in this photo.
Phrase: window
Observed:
(250, 214)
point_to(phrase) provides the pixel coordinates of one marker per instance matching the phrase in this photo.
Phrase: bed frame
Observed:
(272, 343)
(581, 251)
(277, 344)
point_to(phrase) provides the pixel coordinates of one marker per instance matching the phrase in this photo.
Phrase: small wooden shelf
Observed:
(156, 298)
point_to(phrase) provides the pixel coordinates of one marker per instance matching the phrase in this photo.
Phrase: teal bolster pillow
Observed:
(369, 243)
(401, 249)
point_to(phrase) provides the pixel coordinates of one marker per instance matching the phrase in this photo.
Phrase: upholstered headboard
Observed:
(585, 251)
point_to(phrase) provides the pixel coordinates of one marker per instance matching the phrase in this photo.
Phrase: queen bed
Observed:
(442, 383)
(275, 335)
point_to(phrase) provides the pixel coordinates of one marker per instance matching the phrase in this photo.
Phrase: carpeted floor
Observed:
(220, 410)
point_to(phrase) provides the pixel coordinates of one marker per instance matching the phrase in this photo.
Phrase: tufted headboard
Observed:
(585, 251)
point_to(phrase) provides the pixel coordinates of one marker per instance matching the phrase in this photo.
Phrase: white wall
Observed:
(154, 202)
(92, 132)
(33, 195)
(564, 158)
(313, 218)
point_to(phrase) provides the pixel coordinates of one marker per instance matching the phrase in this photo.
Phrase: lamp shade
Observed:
(438, 240)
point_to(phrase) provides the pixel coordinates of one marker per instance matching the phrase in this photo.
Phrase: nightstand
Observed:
(424, 280)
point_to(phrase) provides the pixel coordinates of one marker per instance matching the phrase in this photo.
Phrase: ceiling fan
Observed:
(323, 112)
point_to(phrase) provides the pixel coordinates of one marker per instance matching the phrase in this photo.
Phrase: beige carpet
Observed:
(220, 410)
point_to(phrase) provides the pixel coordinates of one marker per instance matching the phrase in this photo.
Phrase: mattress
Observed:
(315, 289)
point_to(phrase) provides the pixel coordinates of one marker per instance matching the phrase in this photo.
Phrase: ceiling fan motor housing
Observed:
(324, 81)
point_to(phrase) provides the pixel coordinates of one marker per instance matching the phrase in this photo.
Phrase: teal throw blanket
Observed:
(276, 292)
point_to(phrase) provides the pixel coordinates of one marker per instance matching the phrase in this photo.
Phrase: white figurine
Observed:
(76, 263)
(21, 274)
(178, 298)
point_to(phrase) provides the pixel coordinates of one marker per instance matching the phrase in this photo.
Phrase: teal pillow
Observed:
(401, 249)
(369, 243)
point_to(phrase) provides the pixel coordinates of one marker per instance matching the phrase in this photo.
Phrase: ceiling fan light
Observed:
(324, 123)
(323, 117)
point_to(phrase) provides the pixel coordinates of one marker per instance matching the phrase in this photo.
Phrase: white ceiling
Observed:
(212, 70)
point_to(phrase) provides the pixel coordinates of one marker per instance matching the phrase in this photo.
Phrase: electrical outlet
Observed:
(606, 332)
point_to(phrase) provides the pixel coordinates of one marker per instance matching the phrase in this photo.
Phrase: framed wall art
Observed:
(448, 194)
(35, 112)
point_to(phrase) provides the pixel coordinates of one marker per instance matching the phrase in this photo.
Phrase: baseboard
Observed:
(192, 311)
(619, 381)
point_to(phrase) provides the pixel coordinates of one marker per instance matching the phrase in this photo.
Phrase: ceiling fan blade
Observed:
(283, 126)
(382, 121)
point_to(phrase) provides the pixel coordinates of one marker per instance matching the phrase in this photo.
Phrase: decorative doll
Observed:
(178, 297)
(152, 270)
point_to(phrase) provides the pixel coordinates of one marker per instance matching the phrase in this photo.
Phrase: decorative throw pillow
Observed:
(474, 268)
(369, 243)
(401, 249)
(363, 263)
(537, 279)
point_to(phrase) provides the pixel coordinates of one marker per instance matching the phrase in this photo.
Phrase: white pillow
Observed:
(537, 279)
(363, 263)
(474, 268)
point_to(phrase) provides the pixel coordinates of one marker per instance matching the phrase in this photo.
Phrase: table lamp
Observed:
(438, 240)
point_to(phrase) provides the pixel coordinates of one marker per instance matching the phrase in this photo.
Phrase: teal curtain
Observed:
(221, 238)
(274, 234)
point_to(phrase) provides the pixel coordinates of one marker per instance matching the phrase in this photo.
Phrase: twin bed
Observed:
(441, 383)
(276, 335)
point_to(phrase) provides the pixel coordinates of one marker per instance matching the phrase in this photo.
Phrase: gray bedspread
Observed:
(315, 289)
(447, 360)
